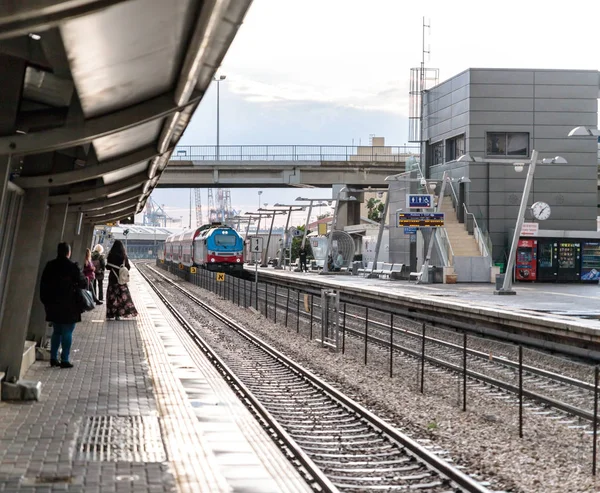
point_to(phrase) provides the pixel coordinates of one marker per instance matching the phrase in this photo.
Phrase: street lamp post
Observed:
(218, 81)
(290, 209)
(510, 265)
(258, 225)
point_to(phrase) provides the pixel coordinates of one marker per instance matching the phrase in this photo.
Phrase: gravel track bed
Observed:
(492, 366)
(551, 458)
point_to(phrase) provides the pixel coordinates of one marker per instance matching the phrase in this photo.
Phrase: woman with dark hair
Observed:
(119, 303)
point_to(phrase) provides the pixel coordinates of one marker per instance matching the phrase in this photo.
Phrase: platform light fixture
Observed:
(518, 166)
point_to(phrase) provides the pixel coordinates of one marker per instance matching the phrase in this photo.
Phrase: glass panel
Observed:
(566, 256)
(545, 258)
(225, 240)
(496, 144)
(460, 146)
(517, 144)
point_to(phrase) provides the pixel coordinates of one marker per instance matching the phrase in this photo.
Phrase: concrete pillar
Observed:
(348, 210)
(51, 238)
(87, 235)
(22, 278)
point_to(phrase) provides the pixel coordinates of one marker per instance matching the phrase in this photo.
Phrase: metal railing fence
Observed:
(295, 153)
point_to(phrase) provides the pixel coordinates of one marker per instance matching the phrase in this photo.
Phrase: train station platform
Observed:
(142, 411)
(559, 313)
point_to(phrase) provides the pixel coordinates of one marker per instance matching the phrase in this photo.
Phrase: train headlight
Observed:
(237, 260)
(212, 259)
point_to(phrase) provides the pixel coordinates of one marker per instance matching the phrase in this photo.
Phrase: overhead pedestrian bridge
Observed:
(285, 165)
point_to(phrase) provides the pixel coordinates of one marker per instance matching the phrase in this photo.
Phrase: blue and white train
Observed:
(215, 247)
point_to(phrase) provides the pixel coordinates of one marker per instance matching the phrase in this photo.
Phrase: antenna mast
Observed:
(421, 80)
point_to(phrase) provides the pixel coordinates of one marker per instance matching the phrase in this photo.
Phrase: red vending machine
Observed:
(526, 267)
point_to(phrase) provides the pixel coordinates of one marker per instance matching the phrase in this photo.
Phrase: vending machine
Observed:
(526, 267)
(569, 261)
(590, 261)
(547, 266)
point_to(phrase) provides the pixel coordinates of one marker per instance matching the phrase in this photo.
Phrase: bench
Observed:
(366, 271)
(395, 273)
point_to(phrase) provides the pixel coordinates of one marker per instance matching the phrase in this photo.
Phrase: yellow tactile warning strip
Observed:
(245, 455)
(193, 464)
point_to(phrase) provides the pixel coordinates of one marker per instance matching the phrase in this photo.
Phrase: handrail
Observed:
(448, 250)
(295, 153)
(479, 234)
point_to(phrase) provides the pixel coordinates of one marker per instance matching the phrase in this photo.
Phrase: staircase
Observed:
(463, 244)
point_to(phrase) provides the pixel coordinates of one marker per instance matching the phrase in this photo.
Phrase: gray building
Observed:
(505, 113)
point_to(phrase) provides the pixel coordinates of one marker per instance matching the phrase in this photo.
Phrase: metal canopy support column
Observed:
(266, 253)
(53, 235)
(22, 279)
(380, 232)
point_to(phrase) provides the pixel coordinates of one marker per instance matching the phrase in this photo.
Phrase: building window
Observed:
(455, 147)
(507, 144)
(437, 153)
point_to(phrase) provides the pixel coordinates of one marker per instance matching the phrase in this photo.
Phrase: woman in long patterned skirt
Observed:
(119, 303)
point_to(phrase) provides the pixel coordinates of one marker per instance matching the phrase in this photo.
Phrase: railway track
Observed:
(549, 388)
(343, 446)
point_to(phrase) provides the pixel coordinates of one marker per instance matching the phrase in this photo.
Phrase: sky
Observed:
(334, 72)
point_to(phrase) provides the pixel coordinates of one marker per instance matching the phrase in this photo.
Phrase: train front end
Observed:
(225, 250)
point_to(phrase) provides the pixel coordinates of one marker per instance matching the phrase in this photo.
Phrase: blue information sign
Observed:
(419, 201)
(409, 231)
(421, 219)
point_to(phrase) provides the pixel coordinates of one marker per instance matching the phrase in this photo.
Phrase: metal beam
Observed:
(89, 172)
(94, 128)
(111, 217)
(27, 16)
(101, 204)
(100, 192)
(109, 210)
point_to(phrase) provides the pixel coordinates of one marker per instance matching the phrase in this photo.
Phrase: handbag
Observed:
(85, 300)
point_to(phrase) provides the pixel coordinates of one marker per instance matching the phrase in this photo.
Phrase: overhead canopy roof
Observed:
(96, 93)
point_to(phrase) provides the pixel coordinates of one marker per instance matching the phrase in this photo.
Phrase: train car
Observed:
(219, 248)
(214, 247)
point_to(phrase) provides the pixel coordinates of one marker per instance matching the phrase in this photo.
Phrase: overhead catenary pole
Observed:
(265, 259)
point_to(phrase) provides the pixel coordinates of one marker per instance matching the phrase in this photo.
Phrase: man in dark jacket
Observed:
(60, 280)
(303, 267)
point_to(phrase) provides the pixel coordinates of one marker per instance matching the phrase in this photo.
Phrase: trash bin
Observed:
(436, 275)
(499, 281)
(501, 265)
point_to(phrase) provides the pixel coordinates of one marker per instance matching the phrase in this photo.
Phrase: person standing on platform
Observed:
(60, 280)
(303, 267)
(89, 271)
(119, 303)
(100, 265)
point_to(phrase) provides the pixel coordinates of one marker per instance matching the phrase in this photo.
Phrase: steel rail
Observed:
(562, 406)
(472, 352)
(246, 395)
(442, 467)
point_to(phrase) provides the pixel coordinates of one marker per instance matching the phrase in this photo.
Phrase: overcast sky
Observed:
(335, 71)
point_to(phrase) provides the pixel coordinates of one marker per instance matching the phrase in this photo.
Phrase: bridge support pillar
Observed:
(348, 209)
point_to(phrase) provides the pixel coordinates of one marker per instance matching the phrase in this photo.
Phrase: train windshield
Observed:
(225, 240)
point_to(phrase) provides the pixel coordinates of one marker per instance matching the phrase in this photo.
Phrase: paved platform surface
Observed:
(578, 301)
(141, 411)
